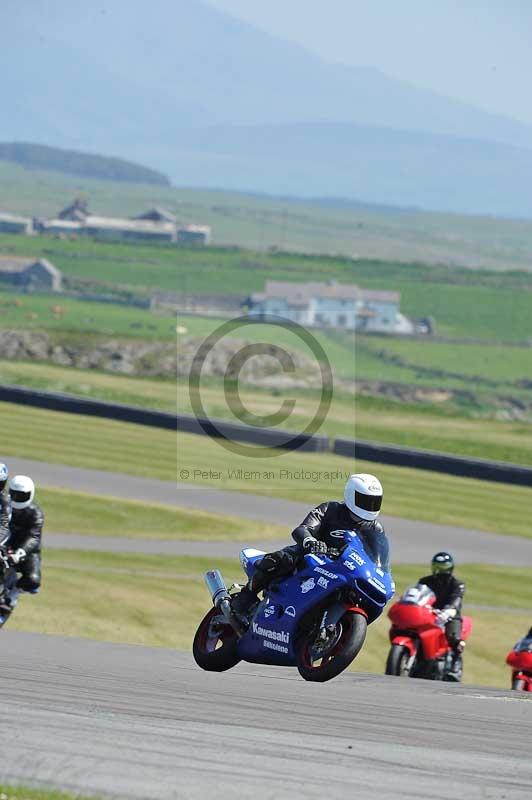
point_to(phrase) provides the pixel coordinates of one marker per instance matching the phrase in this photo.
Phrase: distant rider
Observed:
(449, 593)
(319, 531)
(5, 504)
(24, 545)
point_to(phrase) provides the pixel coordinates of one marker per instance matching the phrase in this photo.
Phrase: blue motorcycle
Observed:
(315, 619)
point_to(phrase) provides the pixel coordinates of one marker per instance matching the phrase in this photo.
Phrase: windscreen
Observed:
(419, 595)
(524, 645)
(376, 546)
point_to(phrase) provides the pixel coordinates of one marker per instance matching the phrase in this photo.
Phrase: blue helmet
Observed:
(4, 475)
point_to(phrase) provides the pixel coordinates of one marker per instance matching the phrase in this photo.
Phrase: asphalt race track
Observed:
(147, 723)
(411, 542)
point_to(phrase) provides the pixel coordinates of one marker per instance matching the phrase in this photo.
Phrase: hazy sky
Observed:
(476, 50)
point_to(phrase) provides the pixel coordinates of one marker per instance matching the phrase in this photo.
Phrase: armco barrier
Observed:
(438, 462)
(367, 451)
(267, 437)
(56, 401)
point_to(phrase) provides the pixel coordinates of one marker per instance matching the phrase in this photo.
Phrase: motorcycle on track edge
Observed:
(520, 660)
(315, 619)
(8, 588)
(419, 647)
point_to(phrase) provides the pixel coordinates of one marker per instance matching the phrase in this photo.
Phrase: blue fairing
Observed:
(270, 638)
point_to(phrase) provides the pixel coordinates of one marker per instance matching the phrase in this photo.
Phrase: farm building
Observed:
(157, 214)
(10, 223)
(332, 305)
(76, 211)
(29, 274)
(156, 225)
(61, 226)
(194, 234)
(117, 229)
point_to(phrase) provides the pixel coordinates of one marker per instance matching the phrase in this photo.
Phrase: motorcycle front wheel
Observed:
(215, 643)
(322, 659)
(518, 684)
(398, 661)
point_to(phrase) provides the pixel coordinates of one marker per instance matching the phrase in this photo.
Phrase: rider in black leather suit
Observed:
(5, 504)
(27, 521)
(449, 593)
(358, 513)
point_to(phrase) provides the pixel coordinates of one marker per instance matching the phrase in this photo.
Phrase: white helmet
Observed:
(363, 496)
(21, 491)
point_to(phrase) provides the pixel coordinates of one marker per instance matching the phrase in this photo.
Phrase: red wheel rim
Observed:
(208, 640)
(326, 659)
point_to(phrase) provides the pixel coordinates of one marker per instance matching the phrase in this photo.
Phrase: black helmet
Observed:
(442, 563)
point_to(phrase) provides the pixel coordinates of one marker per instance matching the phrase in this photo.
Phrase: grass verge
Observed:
(433, 424)
(76, 512)
(25, 793)
(159, 601)
(80, 441)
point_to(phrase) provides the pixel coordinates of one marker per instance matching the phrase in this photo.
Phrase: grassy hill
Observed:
(258, 223)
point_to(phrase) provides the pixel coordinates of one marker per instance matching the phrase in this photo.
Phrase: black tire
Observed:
(397, 660)
(215, 651)
(351, 632)
(518, 684)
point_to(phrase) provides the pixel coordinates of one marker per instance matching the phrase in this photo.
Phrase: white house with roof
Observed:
(332, 305)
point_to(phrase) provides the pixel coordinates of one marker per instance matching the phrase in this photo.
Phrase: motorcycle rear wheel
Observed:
(397, 662)
(215, 644)
(347, 641)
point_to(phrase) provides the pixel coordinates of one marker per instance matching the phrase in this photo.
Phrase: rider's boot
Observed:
(455, 672)
(242, 602)
(5, 605)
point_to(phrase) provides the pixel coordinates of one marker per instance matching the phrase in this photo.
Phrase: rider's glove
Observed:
(17, 556)
(314, 546)
(447, 614)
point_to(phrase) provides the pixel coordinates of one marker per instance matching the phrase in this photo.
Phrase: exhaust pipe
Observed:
(222, 599)
(216, 586)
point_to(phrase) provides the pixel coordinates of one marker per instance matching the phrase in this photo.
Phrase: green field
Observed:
(159, 601)
(92, 515)
(463, 303)
(63, 315)
(261, 222)
(116, 446)
(157, 393)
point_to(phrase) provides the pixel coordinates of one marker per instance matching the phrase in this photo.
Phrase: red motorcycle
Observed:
(419, 645)
(520, 660)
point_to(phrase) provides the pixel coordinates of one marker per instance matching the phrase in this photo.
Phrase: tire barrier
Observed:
(266, 437)
(477, 468)
(56, 401)
(392, 455)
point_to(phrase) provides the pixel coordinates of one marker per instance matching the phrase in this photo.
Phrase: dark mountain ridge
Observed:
(72, 162)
